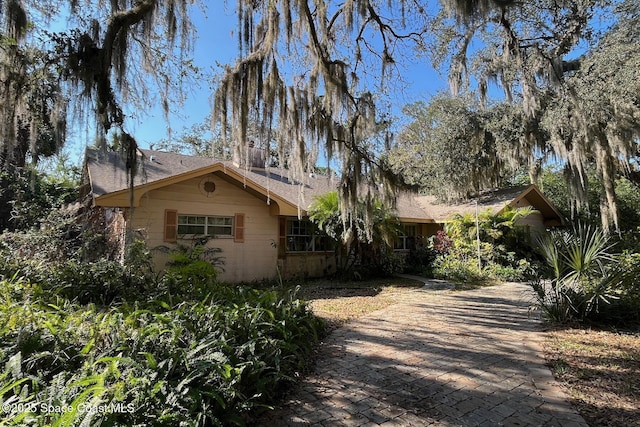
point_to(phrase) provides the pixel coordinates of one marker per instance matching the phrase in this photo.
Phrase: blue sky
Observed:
(217, 43)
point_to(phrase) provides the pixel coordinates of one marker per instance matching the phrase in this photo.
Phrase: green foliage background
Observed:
(78, 331)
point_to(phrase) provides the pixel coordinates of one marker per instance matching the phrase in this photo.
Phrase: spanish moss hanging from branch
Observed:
(301, 69)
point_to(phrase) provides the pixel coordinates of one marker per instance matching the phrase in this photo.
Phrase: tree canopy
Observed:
(123, 52)
(555, 62)
(573, 66)
(320, 75)
(454, 149)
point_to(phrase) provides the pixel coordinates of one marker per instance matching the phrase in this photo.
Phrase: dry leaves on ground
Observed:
(600, 371)
(340, 303)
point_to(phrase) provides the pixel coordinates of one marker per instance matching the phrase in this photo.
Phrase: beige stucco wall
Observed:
(253, 259)
(430, 229)
(535, 220)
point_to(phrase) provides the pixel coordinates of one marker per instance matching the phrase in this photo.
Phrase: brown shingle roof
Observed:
(107, 171)
(494, 200)
(107, 174)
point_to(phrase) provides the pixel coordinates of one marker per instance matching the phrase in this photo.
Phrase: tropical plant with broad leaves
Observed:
(357, 242)
(195, 363)
(493, 227)
(496, 238)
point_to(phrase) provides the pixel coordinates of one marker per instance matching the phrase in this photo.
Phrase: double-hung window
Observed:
(406, 239)
(214, 226)
(303, 236)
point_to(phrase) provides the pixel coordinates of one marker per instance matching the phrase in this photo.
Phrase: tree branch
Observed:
(109, 112)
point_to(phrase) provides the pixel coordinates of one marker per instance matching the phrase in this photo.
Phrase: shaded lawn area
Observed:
(598, 369)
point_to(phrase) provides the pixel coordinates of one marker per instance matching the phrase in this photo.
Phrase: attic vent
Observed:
(209, 187)
(152, 159)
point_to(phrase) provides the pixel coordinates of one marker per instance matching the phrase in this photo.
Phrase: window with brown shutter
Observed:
(238, 235)
(170, 225)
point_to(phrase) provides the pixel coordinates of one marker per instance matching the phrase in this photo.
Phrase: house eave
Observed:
(547, 205)
(124, 198)
(411, 220)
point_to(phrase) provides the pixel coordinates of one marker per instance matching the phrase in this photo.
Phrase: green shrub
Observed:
(60, 237)
(389, 263)
(460, 264)
(420, 261)
(191, 271)
(456, 269)
(630, 285)
(180, 349)
(101, 282)
(64, 258)
(583, 275)
(502, 251)
(624, 308)
(195, 363)
(521, 271)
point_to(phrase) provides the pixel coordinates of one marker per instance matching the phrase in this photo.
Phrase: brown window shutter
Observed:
(170, 225)
(282, 238)
(238, 224)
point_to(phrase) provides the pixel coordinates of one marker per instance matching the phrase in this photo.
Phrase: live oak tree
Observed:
(113, 53)
(32, 124)
(553, 59)
(313, 70)
(453, 149)
(573, 67)
(318, 72)
(32, 104)
(195, 140)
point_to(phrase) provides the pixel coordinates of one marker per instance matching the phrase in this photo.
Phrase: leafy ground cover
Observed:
(599, 369)
(194, 363)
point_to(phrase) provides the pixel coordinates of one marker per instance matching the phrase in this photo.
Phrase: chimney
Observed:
(256, 158)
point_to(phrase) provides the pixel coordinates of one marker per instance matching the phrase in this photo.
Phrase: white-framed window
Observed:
(214, 226)
(406, 239)
(303, 236)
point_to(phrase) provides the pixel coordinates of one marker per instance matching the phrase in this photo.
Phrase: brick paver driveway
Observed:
(439, 358)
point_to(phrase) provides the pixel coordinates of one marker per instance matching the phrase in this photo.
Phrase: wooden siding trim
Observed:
(121, 198)
(282, 237)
